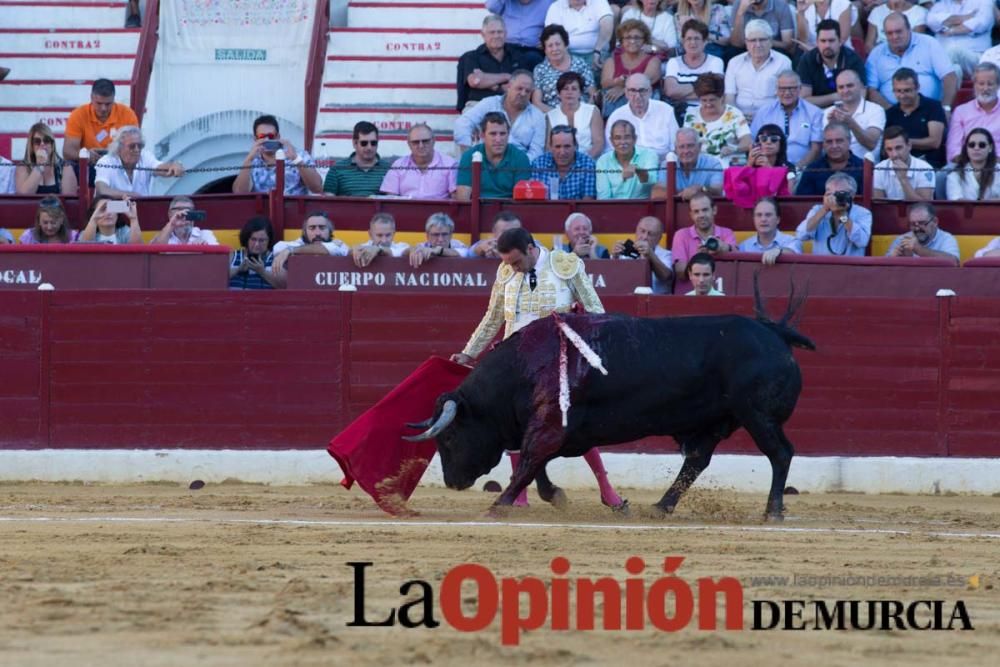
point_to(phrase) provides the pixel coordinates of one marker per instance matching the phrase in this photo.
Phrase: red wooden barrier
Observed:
(180, 369)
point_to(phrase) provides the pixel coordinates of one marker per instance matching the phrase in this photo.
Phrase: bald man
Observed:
(654, 121)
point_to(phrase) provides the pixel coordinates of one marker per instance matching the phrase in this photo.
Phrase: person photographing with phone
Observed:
(258, 172)
(112, 221)
(180, 229)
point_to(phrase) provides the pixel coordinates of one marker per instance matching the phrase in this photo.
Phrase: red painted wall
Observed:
(172, 369)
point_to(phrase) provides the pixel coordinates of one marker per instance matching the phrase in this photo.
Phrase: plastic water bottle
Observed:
(553, 187)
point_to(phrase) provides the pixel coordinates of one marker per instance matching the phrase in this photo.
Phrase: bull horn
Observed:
(424, 424)
(447, 415)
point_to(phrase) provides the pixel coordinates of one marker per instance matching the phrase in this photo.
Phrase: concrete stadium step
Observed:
(401, 42)
(394, 94)
(76, 15)
(28, 66)
(120, 40)
(374, 14)
(56, 93)
(19, 119)
(337, 144)
(387, 118)
(420, 69)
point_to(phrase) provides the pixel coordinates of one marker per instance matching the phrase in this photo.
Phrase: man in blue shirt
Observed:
(837, 156)
(801, 120)
(921, 53)
(696, 171)
(838, 226)
(503, 165)
(568, 172)
(527, 123)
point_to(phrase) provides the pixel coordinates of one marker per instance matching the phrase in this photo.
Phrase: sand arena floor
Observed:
(235, 574)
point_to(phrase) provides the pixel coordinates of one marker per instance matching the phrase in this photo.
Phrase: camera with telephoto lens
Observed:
(712, 244)
(629, 249)
(842, 197)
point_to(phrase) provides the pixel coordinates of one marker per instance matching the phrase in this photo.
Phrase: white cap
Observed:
(46, 287)
(279, 154)
(946, 292)
(642, 289)
(347, 288)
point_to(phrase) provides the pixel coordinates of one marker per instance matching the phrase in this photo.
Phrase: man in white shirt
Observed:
(381, 241)
(527, 123)
(589, 24)
(648, 233)
(902, 176)
(963, 28)
(128, 168)
(925, 238)
(865, 119)
(751, 77)
(317, 239)
(654, 121)
(180, 229)
(439, 229)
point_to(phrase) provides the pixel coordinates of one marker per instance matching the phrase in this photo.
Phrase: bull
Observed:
(697, 379)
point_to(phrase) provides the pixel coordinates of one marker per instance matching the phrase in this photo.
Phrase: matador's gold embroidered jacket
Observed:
(562, 281)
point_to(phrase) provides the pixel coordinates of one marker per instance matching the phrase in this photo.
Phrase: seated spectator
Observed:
(646, 246)
(767, 172)
(580, 234)
(776, 15)
(810, 14)
(558, 61)
(921, 53)
(838, 226)
(589, 24)
(751, 76)
(921, 117)
(487, 248)
(361, 173)
(925, 238)
(991, 55)
(626, 171)
(723, 128)
(983, 111)
(581, 116)
(701, 276)
(7, 169)
(250, 267)
(962, 28)
(524, 20)
(683, 70)
(864, 119)
(836, 157)
(43, 171)
(819, 67)
(259, 174)
(179, 230)
(696, 172)
(653, 120)
(768, 240)
(991, 249)
(660, 23)
(914, 13)
(128, 168)
(715, 16)
(485, 71)
(439, 229)
(901, 176)
(801, 120)
(701, 236)
(51, 225)
(381, 241)
(569, 173)
(503, 164)
(93, 126)
(113, 228)
(975, 175)
(317, 239)
(527, 124)
(633, 57)
(423, 174)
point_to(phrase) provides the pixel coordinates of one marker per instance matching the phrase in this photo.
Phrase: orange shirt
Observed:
(83, 123)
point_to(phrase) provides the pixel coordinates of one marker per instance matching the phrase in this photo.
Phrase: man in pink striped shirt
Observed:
(702, 236)
(983, 111)
(424, 173)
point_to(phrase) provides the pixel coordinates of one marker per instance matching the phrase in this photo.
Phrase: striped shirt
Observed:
(347, 179)
(250, 279)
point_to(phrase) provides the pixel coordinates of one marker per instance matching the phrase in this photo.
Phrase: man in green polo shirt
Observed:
(360, 174)
(503, 164)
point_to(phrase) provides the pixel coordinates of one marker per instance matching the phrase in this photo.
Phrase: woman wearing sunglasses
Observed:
(43, 171)
(51, 225)
(975, 175)
(767, 172)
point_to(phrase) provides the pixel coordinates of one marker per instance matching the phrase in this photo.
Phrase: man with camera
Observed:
(648, 232)
(703, 235)
(258, 173)
(838, 226)
(180, 229)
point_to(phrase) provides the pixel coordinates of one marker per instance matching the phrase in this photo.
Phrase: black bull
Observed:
(697, 379)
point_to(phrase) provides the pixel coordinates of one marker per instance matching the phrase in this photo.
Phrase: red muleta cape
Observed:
(371, 450)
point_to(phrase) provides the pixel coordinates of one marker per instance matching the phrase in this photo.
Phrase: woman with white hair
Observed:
(439, 229)
(128, 168)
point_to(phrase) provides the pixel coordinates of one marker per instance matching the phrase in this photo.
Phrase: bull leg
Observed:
(697, 455)
(549, 492)
(771, 440)
(542, 440)
(522, 497)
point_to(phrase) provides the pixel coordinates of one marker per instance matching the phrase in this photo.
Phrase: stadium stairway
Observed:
(55, 50)
(393, 65)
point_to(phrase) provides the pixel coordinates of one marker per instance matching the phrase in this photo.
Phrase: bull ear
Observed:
(448, 412)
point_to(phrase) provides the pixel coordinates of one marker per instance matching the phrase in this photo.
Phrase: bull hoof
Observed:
(663, 510)
(772, 517)
(559, 499)
(498, 511)
(623, 508)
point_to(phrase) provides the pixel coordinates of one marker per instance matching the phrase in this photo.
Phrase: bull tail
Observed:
(785, 328)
